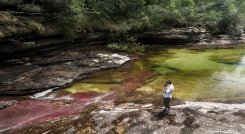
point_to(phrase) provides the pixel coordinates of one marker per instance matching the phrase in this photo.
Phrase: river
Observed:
(210, 75)
(197, 74)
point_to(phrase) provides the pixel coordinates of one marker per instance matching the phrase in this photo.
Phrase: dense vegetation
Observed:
(144, 15)
(123, 17)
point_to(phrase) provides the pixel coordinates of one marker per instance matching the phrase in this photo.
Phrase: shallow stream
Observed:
(197, 74)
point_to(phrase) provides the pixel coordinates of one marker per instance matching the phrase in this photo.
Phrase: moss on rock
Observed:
(12, 26)
(37, 26)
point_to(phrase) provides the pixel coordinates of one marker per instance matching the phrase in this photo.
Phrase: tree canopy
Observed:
(144, 15)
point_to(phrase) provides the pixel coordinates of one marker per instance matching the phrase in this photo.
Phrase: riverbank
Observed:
(190, 36)
(55, 69)
(108, 117)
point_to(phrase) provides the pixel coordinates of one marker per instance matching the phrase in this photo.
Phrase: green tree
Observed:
(64, 14)
(114, 15)
(143, 15)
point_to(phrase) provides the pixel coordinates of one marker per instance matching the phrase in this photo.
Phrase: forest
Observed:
(119, 20)
(219, 16)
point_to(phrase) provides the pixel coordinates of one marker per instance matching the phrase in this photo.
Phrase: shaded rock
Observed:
(235, 30)
(30, 8)
(16, 26)
(175, 36)
(186, 30)
(10, 2)
(41, 78)
(54, 69)
(221, 40)
(193, 35)
(188, 122)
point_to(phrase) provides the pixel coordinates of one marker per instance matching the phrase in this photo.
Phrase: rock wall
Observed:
(22, 26)
(13, 26)
(192, 36)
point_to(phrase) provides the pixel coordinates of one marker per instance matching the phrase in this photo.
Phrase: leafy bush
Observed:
(115, 15)
(64, 14)
(128, 47)
(29, 44)
(121, 37)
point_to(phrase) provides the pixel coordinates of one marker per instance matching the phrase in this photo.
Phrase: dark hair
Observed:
(169, 82)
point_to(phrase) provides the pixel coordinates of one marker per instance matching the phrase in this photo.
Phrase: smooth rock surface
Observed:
(108, 117)
(187, 118)
(53, 70)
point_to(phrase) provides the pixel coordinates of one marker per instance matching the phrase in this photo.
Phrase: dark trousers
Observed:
(166, 102)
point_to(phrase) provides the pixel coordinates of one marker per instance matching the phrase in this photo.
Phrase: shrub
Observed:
(66, 15)
(128, 47)
(29, 44)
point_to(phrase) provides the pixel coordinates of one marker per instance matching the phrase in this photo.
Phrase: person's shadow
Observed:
(161, 114)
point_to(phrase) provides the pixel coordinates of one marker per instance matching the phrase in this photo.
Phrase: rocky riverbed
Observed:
(192, 117)
(111, 118)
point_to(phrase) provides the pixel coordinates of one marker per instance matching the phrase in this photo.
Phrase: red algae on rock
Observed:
(84, 97)
(24, 112)
(136, 80)
(31, 111)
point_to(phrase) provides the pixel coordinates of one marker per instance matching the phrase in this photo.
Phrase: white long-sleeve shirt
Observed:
(168, 90)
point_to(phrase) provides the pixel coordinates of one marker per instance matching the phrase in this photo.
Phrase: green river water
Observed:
(197, 74)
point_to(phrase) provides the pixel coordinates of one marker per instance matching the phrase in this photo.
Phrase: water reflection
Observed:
(231, 82)
(236, 76)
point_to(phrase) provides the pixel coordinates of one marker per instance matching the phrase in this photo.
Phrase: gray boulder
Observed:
(235, 30)
(10, 2)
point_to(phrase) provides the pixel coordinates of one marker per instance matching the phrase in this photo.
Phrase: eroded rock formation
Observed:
(54, 70)
(106, 117)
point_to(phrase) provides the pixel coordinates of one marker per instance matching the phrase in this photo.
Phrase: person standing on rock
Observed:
(168, 89)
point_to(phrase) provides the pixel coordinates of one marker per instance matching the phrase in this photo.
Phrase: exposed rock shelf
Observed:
(107, 117)
(54, 69)
(190, 35)
(193, 117)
